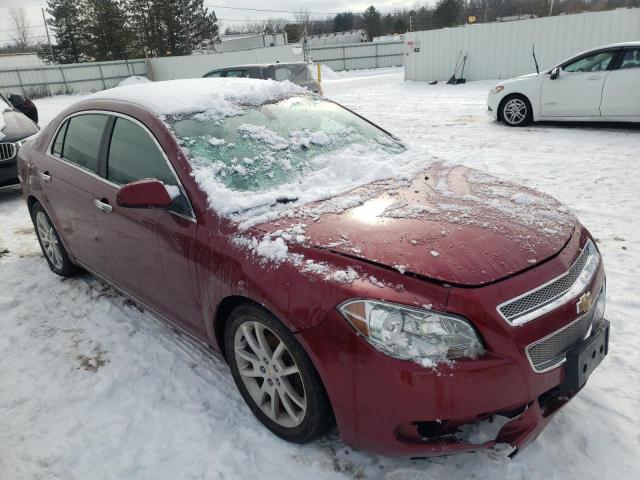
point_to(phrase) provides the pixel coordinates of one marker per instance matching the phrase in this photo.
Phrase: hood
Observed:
(15, 126)
(517, 79)
(449, 223)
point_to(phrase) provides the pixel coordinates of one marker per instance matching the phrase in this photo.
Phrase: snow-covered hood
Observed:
(450, 223)
(15, 126)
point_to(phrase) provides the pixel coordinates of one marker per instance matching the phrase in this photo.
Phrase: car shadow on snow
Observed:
(626, 126)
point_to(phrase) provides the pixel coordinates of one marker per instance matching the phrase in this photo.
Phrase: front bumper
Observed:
(493, 102)
(398, 408)
(9, 173)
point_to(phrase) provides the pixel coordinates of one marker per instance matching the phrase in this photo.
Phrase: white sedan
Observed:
(597, 85)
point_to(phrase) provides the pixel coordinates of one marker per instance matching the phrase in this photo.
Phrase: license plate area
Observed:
(583, 359)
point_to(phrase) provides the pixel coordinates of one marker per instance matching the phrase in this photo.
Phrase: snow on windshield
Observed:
(296, 150)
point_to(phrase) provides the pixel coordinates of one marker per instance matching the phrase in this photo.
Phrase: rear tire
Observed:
(275, 376)
(52, 248)
(515, 111)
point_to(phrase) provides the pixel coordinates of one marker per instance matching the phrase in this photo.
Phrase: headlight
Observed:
(20, 143)
(497, 89)
(411, 333)
(601, 302)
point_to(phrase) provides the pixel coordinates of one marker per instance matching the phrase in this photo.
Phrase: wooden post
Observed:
(46, 29)
(104, 84)
(64, 79)
(319, 73)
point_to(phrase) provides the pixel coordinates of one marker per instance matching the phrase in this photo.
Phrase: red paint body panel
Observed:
(144, 194)
(480, 234)
(186, 268)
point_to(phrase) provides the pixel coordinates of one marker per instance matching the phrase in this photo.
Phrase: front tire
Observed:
(52, 248)
(275, 376)
(515, 111)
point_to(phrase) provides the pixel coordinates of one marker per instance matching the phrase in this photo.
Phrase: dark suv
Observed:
(297, 72)
(15, 128)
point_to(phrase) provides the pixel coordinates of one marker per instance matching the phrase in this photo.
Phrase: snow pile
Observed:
(133, 80)
(327, 72)
(219, 95)
(263, 134)
(269, 249)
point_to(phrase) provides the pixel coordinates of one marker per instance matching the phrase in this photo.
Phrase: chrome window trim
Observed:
(49, 150)
(562, 299)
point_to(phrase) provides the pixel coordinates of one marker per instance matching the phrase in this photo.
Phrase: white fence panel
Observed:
(503, 50)
(194, 66)
(359, 55)
(72, 78)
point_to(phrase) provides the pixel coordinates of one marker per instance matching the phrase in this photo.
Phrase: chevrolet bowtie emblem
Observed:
(584, 303)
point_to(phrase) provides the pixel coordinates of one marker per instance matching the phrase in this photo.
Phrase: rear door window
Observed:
(57, 145)
(134, 155)
(630, 59)
(282, 74)
(82, 140)
(236, 73)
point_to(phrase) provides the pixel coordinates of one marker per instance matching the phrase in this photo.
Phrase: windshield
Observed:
(259, 149)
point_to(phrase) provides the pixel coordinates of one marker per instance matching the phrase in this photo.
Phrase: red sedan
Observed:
(424, 308)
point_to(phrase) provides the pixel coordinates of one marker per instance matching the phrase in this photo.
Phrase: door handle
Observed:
(104, 206)
(594, 78)
(45, 176)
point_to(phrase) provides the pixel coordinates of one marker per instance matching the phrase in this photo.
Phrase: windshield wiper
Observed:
(282, 200)
(286, 199)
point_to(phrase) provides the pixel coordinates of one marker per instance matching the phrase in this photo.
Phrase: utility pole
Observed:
(46, 29)
(551, 8)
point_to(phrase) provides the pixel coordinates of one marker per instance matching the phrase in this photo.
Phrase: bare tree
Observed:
(21, 26)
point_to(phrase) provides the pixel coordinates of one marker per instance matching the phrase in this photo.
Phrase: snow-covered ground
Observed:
(92, 388)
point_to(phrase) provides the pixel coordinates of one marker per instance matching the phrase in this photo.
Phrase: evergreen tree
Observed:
(171, 27)
(371, 22)
(447, 13)
(343, 22)
(109, 37)
(69, 26)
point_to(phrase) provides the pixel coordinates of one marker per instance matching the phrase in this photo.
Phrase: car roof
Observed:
(174, 97)
(253, 65)
(595, 49)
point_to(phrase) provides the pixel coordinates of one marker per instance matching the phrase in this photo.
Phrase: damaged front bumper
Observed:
(519, 427)
(398, 408)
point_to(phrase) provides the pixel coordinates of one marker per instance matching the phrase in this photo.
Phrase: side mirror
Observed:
(147, 193)
(555, 73)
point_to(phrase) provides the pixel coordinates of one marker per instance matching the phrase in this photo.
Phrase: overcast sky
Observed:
(227, 17)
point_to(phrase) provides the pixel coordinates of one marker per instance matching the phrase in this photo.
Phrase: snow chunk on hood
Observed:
(133, 80)
(175, 97)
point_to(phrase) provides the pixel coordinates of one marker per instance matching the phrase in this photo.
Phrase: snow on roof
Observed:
(174, 97)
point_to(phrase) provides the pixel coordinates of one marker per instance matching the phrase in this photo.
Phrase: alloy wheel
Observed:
(270, 374)
(49, 239)
(515, 111)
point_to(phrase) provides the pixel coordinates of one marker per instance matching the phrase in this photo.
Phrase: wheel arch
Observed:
(31, 200)
(511, 95)
(223, 311)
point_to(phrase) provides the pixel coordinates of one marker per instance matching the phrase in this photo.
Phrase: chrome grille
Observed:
(537, 298)
(550, 351)
(7, 151)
